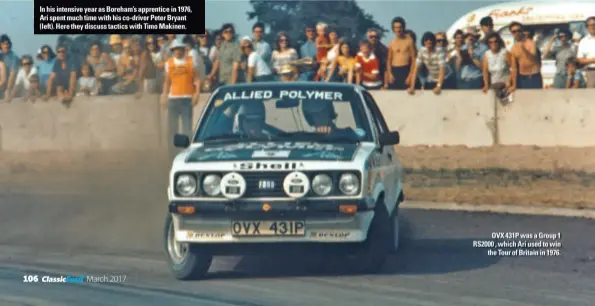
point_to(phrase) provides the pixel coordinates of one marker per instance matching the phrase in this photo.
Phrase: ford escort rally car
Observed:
(284, 165)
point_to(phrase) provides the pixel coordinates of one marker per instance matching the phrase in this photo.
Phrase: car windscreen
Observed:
(291, 113)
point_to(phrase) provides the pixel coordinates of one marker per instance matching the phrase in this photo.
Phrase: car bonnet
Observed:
(273, 151)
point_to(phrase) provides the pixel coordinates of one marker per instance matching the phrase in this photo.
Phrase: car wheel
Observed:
(371, 254)
(185, 260)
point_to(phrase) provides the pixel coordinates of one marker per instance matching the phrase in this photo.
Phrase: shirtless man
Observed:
(401, 56)
(526, 66)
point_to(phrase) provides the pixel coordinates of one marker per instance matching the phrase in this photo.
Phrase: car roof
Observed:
(311, 85)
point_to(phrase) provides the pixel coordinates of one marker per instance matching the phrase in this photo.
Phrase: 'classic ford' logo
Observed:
(265, 184)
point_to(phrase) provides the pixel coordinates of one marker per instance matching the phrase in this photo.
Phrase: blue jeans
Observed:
(335, 77)
(307, 76)
(533, 81)
(450, 82)
(560, 80)
(476, 83)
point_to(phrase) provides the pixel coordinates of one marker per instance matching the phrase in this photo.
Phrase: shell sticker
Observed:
(218, 102)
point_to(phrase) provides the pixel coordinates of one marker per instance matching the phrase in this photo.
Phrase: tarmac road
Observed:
(110, 221)
(60, 234)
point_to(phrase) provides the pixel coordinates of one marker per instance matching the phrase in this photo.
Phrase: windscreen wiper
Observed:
(224, 137)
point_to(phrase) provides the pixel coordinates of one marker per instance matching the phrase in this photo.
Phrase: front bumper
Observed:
(324, 223)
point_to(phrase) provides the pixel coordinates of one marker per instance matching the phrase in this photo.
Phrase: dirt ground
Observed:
(563, 177)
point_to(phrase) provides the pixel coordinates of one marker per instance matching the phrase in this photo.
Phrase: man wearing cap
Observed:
(181, 89)
(115, 42)
(471, 74)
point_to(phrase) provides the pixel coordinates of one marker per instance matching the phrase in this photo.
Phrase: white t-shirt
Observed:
(88, 83)
(260, 66)
(586, 49)
(22, 83)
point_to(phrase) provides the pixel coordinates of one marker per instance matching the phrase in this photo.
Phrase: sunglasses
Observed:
(372, 37)
(440, 40)
(515, 31)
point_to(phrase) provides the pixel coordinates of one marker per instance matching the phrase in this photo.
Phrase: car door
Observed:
(388, 159)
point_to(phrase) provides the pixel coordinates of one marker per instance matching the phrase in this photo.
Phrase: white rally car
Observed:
(285, 166)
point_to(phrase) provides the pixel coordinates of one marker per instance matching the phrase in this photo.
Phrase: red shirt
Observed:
(369, 65)
(321, 52)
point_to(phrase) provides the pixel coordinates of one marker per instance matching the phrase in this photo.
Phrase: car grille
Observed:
(253, 189)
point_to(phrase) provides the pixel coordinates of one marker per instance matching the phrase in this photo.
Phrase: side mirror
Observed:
(181, 141)
(389, 138)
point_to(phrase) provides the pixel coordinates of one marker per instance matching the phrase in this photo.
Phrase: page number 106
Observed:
(30, 279)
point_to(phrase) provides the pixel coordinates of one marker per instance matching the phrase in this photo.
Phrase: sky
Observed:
(421, 16)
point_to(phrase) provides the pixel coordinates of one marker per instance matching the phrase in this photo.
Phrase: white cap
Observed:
(246, 38)
(177, 44)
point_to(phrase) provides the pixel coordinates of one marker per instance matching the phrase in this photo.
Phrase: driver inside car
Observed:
(321, 115)
(250, 120)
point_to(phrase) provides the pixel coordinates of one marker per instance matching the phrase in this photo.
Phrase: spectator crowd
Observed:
(476, 59)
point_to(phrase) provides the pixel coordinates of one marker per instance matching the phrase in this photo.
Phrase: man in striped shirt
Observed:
(434, 60)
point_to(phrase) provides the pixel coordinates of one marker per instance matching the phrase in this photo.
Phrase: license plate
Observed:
(268, 228)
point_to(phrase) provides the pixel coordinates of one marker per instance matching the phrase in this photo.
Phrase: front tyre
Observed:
(394, 218)
(184, 259)
(371, 255)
